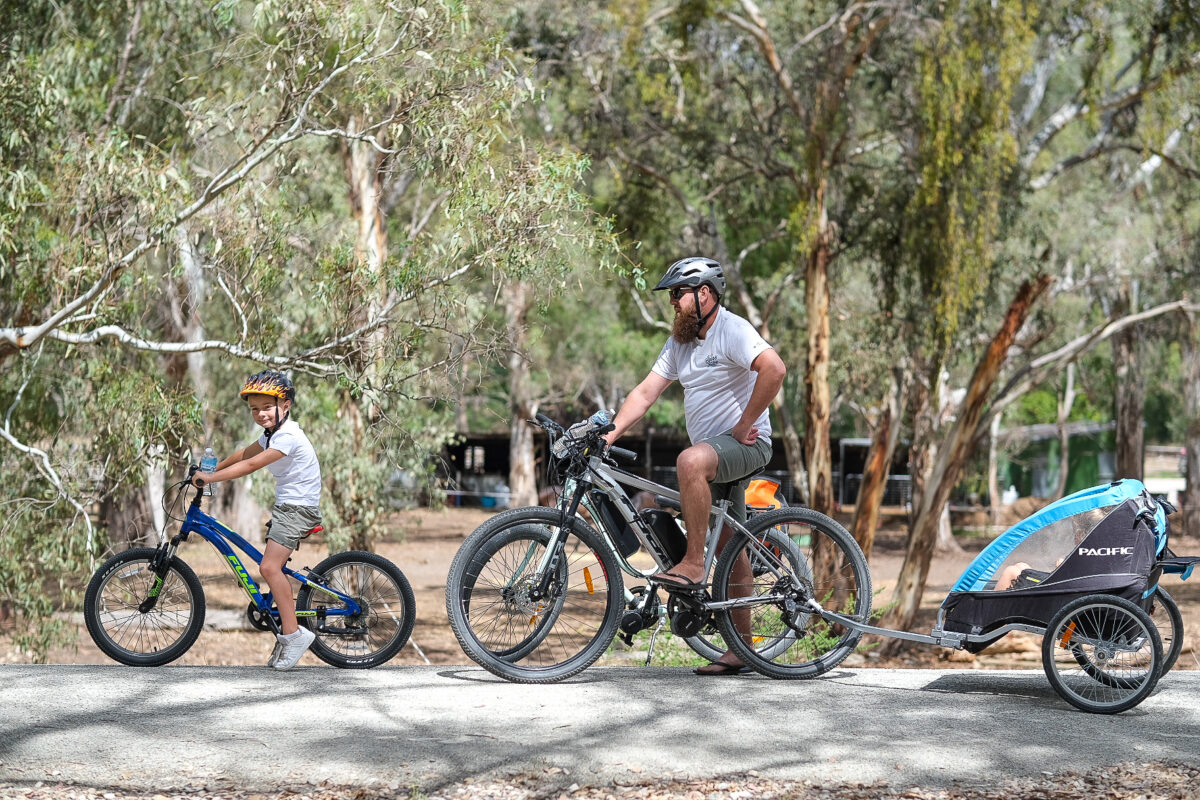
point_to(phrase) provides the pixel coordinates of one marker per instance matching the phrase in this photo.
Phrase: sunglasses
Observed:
(679, 291)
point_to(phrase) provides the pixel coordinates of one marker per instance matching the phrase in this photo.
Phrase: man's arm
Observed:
(771, 372)
(637, 404)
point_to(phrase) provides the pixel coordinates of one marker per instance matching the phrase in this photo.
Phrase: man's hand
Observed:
(745, 432)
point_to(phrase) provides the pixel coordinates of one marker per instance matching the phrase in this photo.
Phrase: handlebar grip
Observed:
(622, 453)
(543, 420)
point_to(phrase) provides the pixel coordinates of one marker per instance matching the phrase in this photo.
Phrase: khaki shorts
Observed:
(288, 523)
(737, 463)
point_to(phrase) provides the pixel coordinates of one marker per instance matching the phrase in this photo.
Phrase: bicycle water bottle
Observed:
(208, 464)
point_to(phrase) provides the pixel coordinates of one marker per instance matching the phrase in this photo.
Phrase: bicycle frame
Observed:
(221, 537)
(611, 481)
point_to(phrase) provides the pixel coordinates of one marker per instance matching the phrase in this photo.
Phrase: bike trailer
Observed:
(1109, 539)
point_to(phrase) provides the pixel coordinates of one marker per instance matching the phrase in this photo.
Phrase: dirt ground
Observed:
(423, 543)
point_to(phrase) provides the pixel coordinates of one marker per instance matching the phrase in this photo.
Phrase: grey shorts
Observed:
(288, 523)
(737, 463)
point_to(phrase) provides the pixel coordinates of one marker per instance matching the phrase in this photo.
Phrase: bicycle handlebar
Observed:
(622, 453)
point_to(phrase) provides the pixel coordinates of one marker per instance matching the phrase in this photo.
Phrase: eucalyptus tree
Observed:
(730, 129)
(170, 191)
(1076, 107)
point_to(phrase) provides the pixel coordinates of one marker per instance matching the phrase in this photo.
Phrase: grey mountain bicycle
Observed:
(536, 594)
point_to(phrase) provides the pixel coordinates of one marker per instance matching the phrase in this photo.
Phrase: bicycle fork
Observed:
(159, 565)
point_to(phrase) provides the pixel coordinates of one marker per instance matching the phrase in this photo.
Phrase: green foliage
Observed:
(969, 71)
(121, 124)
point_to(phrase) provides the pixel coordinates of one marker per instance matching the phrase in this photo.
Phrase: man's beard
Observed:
(686, 328)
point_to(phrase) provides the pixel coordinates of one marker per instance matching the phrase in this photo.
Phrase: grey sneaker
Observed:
(275, 653)
(294, 646)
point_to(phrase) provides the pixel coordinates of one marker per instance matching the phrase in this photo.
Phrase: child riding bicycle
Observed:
(287, 453)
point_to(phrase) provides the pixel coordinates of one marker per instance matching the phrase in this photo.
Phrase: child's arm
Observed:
(249, 451)
(239, 465)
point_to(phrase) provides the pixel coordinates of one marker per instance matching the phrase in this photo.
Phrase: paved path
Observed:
(189, 727)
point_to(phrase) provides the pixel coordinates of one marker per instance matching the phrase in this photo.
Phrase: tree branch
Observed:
(1035, 371)
(1073, 110)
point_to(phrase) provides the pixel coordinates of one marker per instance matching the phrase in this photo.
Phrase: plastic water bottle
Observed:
(208, 464)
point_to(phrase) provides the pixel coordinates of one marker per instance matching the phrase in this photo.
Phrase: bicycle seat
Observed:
(311, 531)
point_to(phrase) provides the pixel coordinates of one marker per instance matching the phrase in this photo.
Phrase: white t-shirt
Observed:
(716, 376)
(297, 474)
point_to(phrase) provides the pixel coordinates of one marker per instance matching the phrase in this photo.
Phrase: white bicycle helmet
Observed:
(695, 272)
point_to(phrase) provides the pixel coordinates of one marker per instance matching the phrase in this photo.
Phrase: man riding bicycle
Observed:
(729, 376)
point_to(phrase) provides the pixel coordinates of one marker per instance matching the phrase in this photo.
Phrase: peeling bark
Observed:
(817, 447)
(878, 466)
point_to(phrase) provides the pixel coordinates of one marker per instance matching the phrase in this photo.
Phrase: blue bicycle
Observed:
(145, 607)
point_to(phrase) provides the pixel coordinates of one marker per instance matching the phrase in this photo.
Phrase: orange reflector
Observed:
(587, 578)
(1067, 634)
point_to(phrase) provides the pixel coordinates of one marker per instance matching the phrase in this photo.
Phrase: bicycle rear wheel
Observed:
(1102, 654)
(130, 636)
(711, 645)
(385, 620)
(787, 639)
(495, 611)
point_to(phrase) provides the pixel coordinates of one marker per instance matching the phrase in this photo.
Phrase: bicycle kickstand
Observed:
(653, 636)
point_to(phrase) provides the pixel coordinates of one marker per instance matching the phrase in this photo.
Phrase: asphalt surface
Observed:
(181, 728)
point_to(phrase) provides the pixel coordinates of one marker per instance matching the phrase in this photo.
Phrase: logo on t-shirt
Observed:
(711, 360)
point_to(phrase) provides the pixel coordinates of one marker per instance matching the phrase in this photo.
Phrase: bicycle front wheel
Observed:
(150, 638)
(779, 634)
(501, 617)
(383, 623)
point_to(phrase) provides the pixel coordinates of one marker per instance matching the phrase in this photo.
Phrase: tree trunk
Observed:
(1131, 394)
(1191, 406)
(522, 482)
(793, 448)
(993, 476)
(364, 178)
(1064, 440)
(878, 466)
(237, 505)
(817, 447)
(923, 450)
(951, 458)
(128, 519)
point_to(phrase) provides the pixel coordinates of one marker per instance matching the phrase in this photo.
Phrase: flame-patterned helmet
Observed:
(271, 383)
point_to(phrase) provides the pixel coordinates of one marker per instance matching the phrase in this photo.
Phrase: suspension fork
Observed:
(554, 548)
(160, 564)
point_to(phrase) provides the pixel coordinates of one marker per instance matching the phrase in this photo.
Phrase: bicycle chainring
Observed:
(258, 618)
